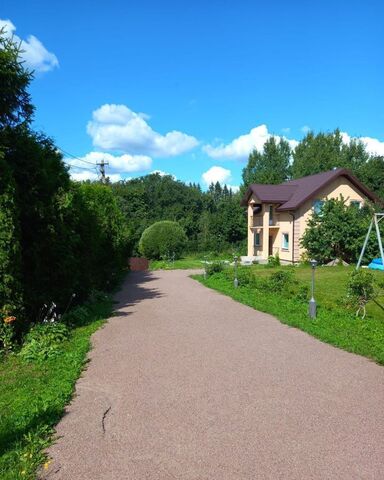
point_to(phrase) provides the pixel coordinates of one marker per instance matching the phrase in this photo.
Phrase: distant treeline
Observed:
(213, 220)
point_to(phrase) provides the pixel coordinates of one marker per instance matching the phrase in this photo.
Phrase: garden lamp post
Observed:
(312, 301)
(235, 281)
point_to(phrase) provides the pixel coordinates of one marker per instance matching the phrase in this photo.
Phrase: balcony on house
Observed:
(257, 221)
(273, 217)
(274, 221)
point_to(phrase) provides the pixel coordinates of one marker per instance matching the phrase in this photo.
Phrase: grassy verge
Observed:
(33, 396)
(193, 261)
(334, 324)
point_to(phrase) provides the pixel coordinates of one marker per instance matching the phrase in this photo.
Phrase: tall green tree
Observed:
(271, 166)
(15, 101)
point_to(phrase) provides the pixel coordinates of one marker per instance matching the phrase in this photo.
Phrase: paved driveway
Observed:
(187, 384)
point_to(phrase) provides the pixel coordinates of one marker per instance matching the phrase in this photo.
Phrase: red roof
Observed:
(290, 195)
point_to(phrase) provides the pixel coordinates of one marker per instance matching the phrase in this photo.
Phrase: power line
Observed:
(102, 164)
(75, 157)
(82, 168)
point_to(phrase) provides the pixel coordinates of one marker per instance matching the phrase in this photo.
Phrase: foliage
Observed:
(44, 341)
(33, 396)
(214, 267)
(271, 166)
(360, 290)
(15, 102)
(274, 260)
(281, 279)
(212, 220)
(337, 232)
(56, 237)
(163, 239)
(10, 260)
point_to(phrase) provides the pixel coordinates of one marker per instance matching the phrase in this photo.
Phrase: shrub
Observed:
(77, 317)
(274, 261)
(43, 341)
(281, 279)
(302, 293)
(162, 239)
(215, 267)
(360, 290)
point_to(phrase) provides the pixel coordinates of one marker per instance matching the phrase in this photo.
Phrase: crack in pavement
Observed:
(104, 416)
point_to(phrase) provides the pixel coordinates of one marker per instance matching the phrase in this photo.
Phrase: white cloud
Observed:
(84, 175)
(93, 176)
(115, 177)
(372, 145)
(286, 129)
(216, 174)
(34, 53)
(123, 163)
(305, 129)
(242, 146)
(116, 127)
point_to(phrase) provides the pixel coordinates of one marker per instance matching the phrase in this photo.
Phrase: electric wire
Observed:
(74, 156)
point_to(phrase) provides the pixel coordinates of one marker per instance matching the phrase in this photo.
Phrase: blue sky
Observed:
(191, 87)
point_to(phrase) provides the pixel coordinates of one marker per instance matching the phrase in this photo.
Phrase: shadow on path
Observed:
(134, 290)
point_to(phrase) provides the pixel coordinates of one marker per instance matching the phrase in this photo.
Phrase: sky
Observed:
(190, 88)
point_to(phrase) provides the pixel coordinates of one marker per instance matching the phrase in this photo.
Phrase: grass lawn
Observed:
(33, 397)
(193, 261)
(334, 323)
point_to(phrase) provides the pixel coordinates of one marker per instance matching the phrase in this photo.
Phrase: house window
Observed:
(356, 203)
(270, 215)
(257, 239)
(285, 241)
(317, 206)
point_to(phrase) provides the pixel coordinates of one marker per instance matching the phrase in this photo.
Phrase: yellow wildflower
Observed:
(9, 319)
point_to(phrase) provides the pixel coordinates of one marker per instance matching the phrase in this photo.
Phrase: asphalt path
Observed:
(184, 383)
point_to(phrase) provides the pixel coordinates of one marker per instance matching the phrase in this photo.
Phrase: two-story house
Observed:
(278, 214)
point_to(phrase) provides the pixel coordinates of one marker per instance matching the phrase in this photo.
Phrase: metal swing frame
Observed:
(377, 217)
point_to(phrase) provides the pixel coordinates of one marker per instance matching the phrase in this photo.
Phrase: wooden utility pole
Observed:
(102, 165)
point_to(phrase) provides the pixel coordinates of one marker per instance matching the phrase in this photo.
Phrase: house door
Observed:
(270, 246)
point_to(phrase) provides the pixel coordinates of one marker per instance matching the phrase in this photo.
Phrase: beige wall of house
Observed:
(279, 232)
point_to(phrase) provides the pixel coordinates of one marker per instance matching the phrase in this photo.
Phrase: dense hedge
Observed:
(163, 239)
(56, 237)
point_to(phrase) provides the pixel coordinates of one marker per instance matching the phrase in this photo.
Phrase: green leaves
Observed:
(271, 166)
(163, 240)
(336, 232)
(44, 341)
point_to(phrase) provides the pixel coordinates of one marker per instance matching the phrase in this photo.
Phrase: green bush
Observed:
(274, 261)
(360, 290)
(214, 267)
(77, 317)
(302, 293)
(163, 239)
(281, 279)
(44, 341)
